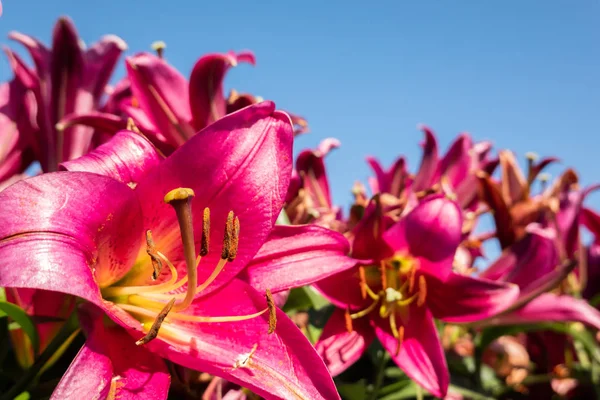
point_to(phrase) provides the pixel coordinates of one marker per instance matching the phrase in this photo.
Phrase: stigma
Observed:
(162, 303)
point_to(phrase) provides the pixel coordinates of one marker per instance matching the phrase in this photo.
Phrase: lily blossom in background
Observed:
(120, 229)
(408, 282)
(67, 78)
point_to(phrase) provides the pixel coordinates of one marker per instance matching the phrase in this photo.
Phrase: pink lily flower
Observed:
(309, 199)
(67, 79)
(454, 173)
(165, 106)
(110, 237)
(408, 282)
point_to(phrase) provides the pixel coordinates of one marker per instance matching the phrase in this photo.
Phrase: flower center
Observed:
(399, 287)
(159, 305)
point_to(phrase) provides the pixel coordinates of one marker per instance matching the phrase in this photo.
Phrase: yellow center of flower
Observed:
(399, 287)
(158, 305)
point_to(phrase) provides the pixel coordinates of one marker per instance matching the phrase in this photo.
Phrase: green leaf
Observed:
(470, 394)
(304, 298)
(404, 389)
(353, 391)
(18, 315)
(23, 396)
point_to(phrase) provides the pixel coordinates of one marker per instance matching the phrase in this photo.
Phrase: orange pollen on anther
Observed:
(131, 126)
(348, 319)
(422, 291)
(400, 339)
(233, 247)
(411, 280)
(272, 312)
(205, 242)
(382, 270)
(363, 281)
(227, 236)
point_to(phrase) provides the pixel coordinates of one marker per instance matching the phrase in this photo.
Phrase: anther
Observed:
(382, 270)
(363, 282)
(151, 250)
(411, 280)
(272, 312)
(205, 243)
(348, 319)
(235, 238)
(153, 332)
(531, 156)
(227, 236)
(159, 47)
(422, 291)
(180, 200)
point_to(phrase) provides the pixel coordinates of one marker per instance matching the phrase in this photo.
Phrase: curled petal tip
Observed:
(120, 43)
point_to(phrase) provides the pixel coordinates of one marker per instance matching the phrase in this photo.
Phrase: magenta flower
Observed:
(165, 106)
(113, 240)
(408, 282)
(534, 265)
(67, 79)
(454, 173)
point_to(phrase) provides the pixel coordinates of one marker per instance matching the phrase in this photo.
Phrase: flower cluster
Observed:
(167, 244)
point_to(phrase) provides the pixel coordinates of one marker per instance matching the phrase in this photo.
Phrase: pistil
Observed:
(180, 200)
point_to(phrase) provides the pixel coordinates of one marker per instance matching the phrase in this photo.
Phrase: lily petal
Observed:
(466, 299)
(343, 289)
(110, 364)
(421, 356)
(59, 230)
(432, 232)
(100, 61)
(295, 256)
(125, 158)
(428, 170)
(245, 168)
(310, 165)
(207, 101)
(548, 307)
(162, 93)
(281, 365)
(340, 348)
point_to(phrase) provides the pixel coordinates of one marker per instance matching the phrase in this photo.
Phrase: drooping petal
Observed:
(393, 181)
(591, 220)
(162, 93)
(127, 157)
(110, 364)
(428, 171)
(37, 50)
(207, 102)
(244, 167)
(340, 348)
(368, 233)
(104, 122)
(464, 298)
(68, 232)
(432, 232)
(281, 365)
(295, 256)
(549, 307)
(421, 355)
(567, 217)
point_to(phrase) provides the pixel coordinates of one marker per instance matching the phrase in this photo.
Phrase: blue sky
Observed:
(525, 75)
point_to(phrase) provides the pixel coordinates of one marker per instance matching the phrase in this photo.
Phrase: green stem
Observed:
(383, 359)
(23, 384)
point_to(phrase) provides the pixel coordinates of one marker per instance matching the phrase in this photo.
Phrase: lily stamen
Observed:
(180, 200)
(366, 311)
(422, 293)
(272, 312)
(348, 320)
(151, 251)
(153, 331)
